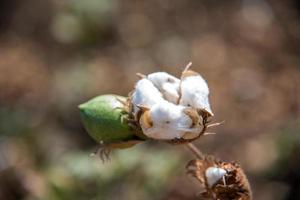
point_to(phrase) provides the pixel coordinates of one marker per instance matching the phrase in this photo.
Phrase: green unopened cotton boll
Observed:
(103, 118)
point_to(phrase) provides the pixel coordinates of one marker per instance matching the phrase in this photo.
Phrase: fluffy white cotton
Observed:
(145, 94)
(169, 122)
(156, 97)
(194, 93)
(213, 175)
(167, 84)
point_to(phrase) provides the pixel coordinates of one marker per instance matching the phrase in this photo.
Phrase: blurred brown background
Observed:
(56, 54)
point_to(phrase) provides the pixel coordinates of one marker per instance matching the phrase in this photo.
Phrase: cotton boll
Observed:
(145, 94)
(167, 121)
(167, 84)
(213, 175)
(194, 92)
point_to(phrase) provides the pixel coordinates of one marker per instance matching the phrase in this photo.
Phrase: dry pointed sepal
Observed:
(105, 119)
(220, 180)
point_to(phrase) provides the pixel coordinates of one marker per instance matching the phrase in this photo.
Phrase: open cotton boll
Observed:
(145, 94)
(167, 84)
(213, 175)
(194, 93)
(166, 121)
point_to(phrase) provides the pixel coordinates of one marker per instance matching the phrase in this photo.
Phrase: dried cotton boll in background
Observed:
(167, 121)
(194, 92)
(145, 94)
(167, 84)
(220, 180)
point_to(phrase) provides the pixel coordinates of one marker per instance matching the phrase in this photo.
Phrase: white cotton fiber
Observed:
(213, 175)
(168, 122)
(145, 94)
(167, 84)
(169, 107)
(194, 93)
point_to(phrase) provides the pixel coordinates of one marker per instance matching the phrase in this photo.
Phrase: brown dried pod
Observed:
(220, 180)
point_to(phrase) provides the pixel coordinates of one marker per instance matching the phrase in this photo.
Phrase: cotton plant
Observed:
(161, 107)
(167, 109)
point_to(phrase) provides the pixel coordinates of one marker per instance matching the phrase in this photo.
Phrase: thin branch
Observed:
(195, 150)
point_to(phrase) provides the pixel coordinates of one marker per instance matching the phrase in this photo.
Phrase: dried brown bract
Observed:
(220, 180)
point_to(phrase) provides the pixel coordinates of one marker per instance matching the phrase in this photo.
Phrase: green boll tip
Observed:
(103, 118)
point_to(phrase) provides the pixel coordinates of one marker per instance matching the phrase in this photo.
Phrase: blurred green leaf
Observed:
(135, 173)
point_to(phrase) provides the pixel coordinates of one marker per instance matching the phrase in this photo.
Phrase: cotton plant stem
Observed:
(195, 150)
